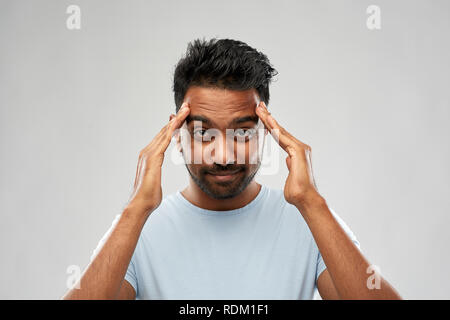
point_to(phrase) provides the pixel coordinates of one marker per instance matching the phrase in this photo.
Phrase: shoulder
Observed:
(273, 197)
(277, 204)
(168, 206)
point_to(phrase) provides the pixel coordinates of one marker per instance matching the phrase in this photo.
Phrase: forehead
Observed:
(221, 106)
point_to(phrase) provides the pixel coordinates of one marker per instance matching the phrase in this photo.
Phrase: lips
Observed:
(224, 173)
(224, 176)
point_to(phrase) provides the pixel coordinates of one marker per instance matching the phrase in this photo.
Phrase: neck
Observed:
(199, 198)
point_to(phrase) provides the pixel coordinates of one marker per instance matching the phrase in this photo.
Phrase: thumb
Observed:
(288, 162)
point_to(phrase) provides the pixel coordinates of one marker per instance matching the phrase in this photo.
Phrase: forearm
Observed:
(345, 263)
(103, 277)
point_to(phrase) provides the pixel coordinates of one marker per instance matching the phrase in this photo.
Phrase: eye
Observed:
(201, 135)
(244, 133)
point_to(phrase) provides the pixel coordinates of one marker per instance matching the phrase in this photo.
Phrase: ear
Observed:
(176, 135)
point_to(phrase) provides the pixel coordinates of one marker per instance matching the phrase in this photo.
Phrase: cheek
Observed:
(192, 149)
(254, 156)
(248, 153)
(195, 169)
(196, 152)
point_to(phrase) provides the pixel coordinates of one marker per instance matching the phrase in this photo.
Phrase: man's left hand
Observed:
(300, 188)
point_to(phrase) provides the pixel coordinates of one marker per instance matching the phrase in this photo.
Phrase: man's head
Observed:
(223, 81)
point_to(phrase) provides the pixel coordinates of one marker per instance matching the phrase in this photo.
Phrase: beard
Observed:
(223, 189)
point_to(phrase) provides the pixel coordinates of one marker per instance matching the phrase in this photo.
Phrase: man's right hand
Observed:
(147, 193)
(104, 276)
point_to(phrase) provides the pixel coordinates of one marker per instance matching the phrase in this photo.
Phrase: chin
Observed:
(223, 190)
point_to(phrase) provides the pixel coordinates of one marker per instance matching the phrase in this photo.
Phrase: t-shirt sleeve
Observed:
(130, 276)
(320, 263)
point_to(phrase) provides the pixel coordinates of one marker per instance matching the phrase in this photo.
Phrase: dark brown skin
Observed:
(104, 276)
(345, 276)
(346, 273)
(220, 107)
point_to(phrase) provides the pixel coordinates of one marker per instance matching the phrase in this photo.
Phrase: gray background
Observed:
(78, 106)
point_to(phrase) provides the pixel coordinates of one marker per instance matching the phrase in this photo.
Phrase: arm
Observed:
(104, 276)
(326, 287)
(126, 291)
(345, 277)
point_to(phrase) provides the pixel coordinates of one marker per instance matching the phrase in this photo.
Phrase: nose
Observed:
(223, 152)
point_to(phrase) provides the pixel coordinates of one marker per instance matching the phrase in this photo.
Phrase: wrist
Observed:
(311, 202)
(139, 208)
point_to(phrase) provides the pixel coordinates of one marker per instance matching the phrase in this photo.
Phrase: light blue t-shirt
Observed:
(263, 250)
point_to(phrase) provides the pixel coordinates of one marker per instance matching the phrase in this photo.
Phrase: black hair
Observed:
(222, 63)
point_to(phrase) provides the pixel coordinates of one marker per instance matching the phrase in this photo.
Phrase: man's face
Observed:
(222, 140)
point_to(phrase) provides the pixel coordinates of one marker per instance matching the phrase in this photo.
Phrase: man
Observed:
(225, 236)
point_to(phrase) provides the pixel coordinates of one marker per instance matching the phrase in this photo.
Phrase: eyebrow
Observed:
(190, 118)
(235, 121)
(253, 119)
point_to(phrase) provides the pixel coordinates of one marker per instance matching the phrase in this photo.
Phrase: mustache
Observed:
(220, 169)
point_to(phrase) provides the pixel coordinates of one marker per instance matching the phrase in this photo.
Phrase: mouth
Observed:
(225, 175)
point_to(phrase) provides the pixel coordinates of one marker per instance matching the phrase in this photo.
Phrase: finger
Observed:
(180, 117)
(311, 168)
(299, 153)
(138, 170)
(175, 123)
(162, 139)
(137, 173)
(288, 162)
(262, 113)
(156, 139)
(284, 138)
